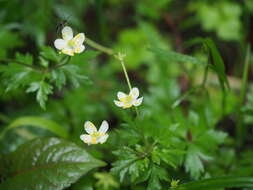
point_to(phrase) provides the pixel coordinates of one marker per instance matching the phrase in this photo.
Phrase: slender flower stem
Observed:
(125, 73)
(118, 56)
(99, 47)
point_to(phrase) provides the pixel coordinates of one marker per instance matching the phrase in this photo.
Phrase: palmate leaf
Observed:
(43, 90)
(46, 163)
(193, 161)
(214, 183)
(157, 175)
(73, 74)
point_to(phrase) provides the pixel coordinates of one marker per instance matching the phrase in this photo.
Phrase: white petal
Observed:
(121, 95)
(90, 127)
(134, 92)
(104, 127)
(79, 49)
(138, 101)
(118, 103)
(79, 39)
(67, 33)
(86, 138)
(60, 44)
(103, 138)
(68, 51)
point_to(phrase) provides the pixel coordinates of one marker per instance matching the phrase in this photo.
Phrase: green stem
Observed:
(205, 77)
(20, 63)
(126, 75)
(245, 76)
(120, 57)
(240, 128)
(65, 61)
(99, 47)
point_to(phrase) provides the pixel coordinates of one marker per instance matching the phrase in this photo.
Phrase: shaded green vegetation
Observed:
(192, 63)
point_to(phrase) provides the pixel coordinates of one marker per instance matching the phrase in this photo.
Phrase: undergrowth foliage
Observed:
(180, 125)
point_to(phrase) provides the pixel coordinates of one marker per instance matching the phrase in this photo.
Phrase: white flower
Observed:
(70, 45)
(95, 136)
(127, 101)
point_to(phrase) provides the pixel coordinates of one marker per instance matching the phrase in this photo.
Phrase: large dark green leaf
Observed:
(46, 163)
(213, 183)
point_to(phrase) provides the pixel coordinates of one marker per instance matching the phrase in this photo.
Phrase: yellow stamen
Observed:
(93, 140)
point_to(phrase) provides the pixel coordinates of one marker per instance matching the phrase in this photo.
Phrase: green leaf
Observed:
(156, 176)
(220, 182)
(73, 74)
(105, 181)
(10, 39)
(59, 78)
(16, 76)
(27, 58)
(222, 17)
(84, 57)
(47, 163)
(43, 90)
(18, 80)
(177, 57)
(50, 53)
(193, 163)
(39, 123)
(218, 64)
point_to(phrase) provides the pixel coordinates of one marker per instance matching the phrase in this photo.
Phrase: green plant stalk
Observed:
(99, 47)
(65, 61)
(240, 129)
(126, 75)
(128, 81)
(119, 57)
(20, 63)
(205, 77)
(245, 76)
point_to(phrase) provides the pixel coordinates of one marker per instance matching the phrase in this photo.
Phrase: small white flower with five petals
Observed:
(127, 101)
(95, 136)
(70, 45)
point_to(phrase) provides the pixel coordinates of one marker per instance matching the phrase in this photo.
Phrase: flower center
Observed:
(96, 134)
(71, 43)
(128, 99)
